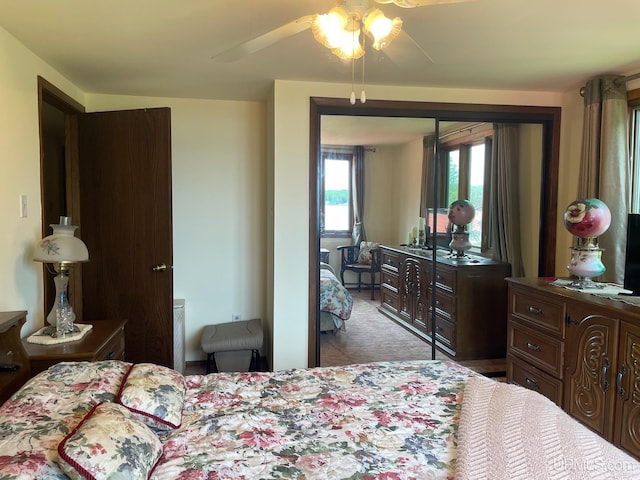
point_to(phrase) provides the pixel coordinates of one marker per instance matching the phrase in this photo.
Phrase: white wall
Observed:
(407, 188)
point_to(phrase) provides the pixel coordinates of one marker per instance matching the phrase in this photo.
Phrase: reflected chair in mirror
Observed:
(363, 258)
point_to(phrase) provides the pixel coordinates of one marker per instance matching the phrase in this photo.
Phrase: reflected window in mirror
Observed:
(468, 165)
(336, 212)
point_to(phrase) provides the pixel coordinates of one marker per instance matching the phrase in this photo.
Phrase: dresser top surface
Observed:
(443, 256)
(610, 301)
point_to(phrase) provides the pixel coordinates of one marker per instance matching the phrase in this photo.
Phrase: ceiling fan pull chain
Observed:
(363, 96)
(352, 99)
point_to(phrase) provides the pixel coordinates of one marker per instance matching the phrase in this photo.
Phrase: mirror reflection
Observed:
(401, 198)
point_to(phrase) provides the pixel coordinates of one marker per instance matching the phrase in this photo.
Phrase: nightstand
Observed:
(11, 352)
(105, 341)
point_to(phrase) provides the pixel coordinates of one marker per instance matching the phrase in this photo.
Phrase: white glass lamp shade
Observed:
(61, 247)
(328, 28)
(461, 212)
(382, 29)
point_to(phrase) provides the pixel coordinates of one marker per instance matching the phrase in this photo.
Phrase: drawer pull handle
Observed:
(536, 311)
(111, 355)
(439, 328)
(532, 383)
(604, 374)
(621, 390)
(534, 347)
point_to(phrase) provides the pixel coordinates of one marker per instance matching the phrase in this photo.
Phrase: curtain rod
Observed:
(617, 81)
(460, 130)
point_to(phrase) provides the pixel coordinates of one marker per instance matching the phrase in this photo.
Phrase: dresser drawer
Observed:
(528, 376)
(389, 299)
(390, 260)
(445, 278)
(542, 312)
(390, 279)
(540, 350)
(114, 349)
(446, 332)
(445, 305)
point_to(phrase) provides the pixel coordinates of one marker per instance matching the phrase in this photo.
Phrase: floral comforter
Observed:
(334, 298)
(392, 420)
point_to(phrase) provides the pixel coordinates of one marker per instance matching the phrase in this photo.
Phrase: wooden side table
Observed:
(105, 341)
(12, 352)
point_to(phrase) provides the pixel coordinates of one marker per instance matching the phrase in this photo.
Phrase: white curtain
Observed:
(605, 164)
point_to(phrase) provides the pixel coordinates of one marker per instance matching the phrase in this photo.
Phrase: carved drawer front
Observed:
(528, 376)
(542, 312)
(114, 350)
(389, 299)
(390, 279)
(446, 332)
(538, 349)
(446, 279)
(390, 260)
(445, 305)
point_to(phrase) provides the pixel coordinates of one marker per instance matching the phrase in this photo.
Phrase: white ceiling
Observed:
(165, 47)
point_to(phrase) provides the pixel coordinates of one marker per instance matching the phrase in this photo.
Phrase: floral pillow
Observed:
(365, 252)
(154, 394)
(108, 443)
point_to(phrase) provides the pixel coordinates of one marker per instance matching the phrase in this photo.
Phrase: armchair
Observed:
(363, 258)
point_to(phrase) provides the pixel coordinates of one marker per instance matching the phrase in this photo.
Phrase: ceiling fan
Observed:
(342, 29)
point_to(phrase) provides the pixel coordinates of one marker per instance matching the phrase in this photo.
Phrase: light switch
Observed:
(23, 206)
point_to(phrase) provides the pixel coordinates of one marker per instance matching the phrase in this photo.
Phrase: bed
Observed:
(335, 301)
(386, 421)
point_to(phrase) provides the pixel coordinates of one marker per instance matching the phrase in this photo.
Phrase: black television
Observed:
(632, 256)
(441, 237)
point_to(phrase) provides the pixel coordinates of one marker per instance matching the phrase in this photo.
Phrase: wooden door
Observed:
(628, 390)
(125, 202)
(590, 362)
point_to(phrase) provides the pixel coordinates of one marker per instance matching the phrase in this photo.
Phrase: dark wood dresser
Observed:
(105, 341)
(580, 350)
(12, 352)
(471, 318)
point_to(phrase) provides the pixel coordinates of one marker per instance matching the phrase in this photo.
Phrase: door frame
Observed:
(548, 117)
(52, 95)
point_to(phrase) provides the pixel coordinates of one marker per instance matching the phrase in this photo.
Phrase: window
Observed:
(467, 170)
(336, 215)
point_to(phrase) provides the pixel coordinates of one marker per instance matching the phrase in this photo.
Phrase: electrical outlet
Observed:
(23, 206)
(235, 317)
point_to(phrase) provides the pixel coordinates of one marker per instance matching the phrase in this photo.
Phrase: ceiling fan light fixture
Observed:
(349, 46)
(382, 29)
(328, 29)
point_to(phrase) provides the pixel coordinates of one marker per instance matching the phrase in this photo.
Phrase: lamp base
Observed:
(52, 331)
(586, 263)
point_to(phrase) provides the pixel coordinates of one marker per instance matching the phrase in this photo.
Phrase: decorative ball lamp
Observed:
(461, 213)
(586, 219)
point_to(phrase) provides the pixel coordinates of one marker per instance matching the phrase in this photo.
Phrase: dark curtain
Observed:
(605, 165)
(504, 220)
(357, 177)
(428, 177)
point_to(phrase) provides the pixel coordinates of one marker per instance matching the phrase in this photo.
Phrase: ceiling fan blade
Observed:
(404, 51)
(419, 3)
(265, 40)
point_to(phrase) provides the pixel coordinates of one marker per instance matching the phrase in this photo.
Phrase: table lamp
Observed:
(62, 249)
(461, 213)
(586, 219)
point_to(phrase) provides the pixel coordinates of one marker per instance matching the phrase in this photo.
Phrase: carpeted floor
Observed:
(372, 337)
